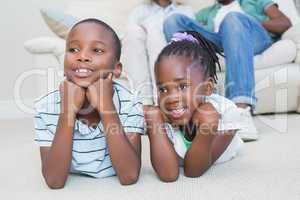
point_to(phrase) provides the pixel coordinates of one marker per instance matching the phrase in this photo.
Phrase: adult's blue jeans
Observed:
(240, 37)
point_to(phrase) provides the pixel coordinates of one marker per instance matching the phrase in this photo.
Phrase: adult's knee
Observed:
(234, 21)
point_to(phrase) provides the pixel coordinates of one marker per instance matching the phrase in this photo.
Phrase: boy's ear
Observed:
(118, 69)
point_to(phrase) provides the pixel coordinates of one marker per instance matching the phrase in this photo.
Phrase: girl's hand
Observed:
(153, 117)
(72, 97)
(153, 114)
(100, 94)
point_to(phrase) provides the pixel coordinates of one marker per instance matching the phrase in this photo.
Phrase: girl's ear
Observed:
(209, 87)
(118, 69)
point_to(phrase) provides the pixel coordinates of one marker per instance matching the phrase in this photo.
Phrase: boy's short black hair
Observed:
(116, 39)
(204, 53)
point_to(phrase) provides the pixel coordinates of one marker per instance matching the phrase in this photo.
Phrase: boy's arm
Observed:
(278, 22)
(124, 150)
(163, 156)
(208, 145)
(56, 159)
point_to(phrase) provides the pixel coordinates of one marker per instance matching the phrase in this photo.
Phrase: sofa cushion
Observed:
(106, 10)
(109, 11)
(281, 52)
(116, 16)
(58, 21)
(294, 34)
(44, 45)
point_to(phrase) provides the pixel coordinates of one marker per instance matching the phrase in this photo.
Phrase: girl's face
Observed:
(181, 87)
(89, 54)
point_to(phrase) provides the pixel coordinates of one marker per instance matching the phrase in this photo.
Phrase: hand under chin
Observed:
(85, 83)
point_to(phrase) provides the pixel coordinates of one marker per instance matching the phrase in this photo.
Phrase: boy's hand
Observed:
(72, 97)
(100, 94)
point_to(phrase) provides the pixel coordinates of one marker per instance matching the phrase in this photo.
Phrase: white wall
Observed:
(20, 20)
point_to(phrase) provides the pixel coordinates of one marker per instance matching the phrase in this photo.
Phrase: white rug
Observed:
(267, 169)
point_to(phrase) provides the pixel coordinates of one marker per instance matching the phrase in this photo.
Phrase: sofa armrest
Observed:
(294, 34)
(46, 45)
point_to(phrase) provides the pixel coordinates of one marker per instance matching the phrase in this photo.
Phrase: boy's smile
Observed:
(83, 72)
(89, 54)
(180, 86)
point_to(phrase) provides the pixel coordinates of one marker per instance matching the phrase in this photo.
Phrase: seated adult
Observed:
(242, 29)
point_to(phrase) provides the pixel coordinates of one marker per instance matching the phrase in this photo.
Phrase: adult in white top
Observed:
(143, 42)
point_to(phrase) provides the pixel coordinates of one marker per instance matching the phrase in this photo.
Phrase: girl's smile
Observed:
(177, 113)
(180, 83)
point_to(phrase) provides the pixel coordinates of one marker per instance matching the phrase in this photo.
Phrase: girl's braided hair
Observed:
(196, 47)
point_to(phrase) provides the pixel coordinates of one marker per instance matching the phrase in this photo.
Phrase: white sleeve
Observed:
(230, 114)
(231, 119)
(137, 15)
(184, 10)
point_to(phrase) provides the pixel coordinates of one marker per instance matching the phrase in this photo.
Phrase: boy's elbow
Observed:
(129, 179)
(54, 184)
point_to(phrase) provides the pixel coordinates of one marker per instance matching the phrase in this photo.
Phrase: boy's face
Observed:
(181, 88)
(90, 54)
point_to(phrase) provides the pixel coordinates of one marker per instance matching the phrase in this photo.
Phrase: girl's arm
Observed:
(163, 156)
(208, 145)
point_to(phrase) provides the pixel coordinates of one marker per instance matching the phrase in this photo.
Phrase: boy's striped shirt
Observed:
(90, 152)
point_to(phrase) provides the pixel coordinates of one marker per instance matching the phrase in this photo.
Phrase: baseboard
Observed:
(12, 109)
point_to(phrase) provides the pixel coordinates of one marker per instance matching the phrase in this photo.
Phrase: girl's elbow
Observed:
(194, 173)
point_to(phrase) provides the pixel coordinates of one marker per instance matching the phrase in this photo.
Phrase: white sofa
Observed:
(277, 70)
